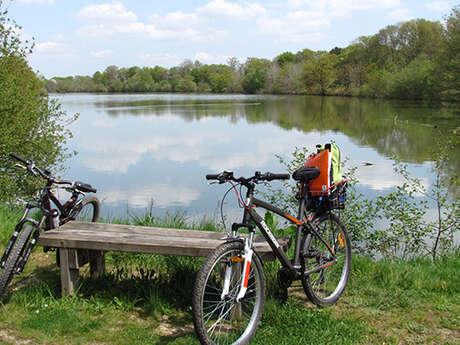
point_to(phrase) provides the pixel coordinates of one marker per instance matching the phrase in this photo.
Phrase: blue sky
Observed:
(82, 37)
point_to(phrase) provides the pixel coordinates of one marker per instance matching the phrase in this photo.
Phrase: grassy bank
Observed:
(146, 299)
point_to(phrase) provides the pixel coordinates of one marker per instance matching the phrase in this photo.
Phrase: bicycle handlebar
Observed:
(33, 169)
(19, 158)
(226, 176)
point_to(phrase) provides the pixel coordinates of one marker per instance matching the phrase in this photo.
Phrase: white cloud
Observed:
(114, 12)
(236, 11)
(439, 6)
(101, 53)
(46, 47)
(343, 8)
(400, 15)
(53, 49)
(298, 26)
(162, 59)
(134, 30)
(177, 20)
(50, 2)
(211, 59)
(114, 20)
(345, 4)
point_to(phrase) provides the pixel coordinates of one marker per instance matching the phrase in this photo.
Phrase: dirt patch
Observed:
(7, 336)
(168, 329)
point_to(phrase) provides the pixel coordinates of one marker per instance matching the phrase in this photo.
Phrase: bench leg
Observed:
(69, 271)
(96, 263)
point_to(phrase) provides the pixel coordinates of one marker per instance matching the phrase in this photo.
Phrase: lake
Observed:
(152, 151)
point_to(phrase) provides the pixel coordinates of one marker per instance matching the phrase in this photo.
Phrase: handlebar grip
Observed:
(212, 176)
(278, 177)
(19, 158)
(92, 190)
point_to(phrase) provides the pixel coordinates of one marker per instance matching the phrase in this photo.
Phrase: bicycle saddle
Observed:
(306, 174)
(84, 187)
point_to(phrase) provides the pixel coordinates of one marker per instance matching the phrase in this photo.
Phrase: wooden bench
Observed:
(80, 243)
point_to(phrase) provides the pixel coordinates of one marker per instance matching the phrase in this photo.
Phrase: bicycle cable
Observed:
(222, 205)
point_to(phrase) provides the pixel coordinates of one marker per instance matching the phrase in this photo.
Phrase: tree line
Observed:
(417, 59)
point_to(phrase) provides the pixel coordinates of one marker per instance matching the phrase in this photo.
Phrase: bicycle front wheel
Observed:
(88, 209)
(16, 253)
(330, 257)
(219, 318)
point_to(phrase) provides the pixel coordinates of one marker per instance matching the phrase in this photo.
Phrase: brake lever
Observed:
(17, 165)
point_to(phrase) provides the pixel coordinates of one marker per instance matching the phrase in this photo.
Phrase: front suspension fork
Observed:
(246, 260)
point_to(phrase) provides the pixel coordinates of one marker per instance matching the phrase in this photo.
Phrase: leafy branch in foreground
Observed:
(32, 125)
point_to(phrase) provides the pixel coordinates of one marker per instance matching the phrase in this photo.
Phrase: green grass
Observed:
(8, 220)
(146, 299)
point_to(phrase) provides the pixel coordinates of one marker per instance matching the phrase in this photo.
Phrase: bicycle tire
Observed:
(325, 287)
(231, 326)
(13, 258)
(89, 209)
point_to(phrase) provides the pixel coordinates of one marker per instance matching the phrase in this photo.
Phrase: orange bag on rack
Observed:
(321, 184)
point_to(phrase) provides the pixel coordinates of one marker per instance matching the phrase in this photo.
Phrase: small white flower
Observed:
(37, 311)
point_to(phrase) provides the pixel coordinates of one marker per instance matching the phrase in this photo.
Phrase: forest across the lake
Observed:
(416, 59)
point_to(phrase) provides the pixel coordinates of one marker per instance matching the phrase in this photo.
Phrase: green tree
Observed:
(417, 80)
(319, 73)
(285, 58)
(450, 62)
(420, 37)
(255, 74)
(111, 76)
(31, 124)
(186, 84)
(220, 78)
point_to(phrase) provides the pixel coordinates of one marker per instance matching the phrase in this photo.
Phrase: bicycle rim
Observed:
(89, 211)
(224, 320)
(325, 286)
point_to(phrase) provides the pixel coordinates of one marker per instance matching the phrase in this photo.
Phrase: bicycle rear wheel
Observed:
(333, 257)
(16, 253)
(88, 209)
(221, 319)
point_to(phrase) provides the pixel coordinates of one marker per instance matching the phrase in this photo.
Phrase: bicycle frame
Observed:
(302, 227)
(44, 204)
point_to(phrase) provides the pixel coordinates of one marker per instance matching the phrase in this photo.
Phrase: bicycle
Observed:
(79, 207)
(229, 291)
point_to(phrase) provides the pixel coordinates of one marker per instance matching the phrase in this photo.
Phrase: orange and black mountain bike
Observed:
(229, 291)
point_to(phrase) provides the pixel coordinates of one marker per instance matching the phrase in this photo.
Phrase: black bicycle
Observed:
(79, 207)
(229, 291)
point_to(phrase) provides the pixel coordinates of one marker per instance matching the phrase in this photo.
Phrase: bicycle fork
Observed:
(25, 254)
(246, 260)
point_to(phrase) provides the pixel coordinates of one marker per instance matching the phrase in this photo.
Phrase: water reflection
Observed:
(139, 148)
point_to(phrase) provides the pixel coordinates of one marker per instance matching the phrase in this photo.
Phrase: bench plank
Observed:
(80, 242)
(114, 237)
